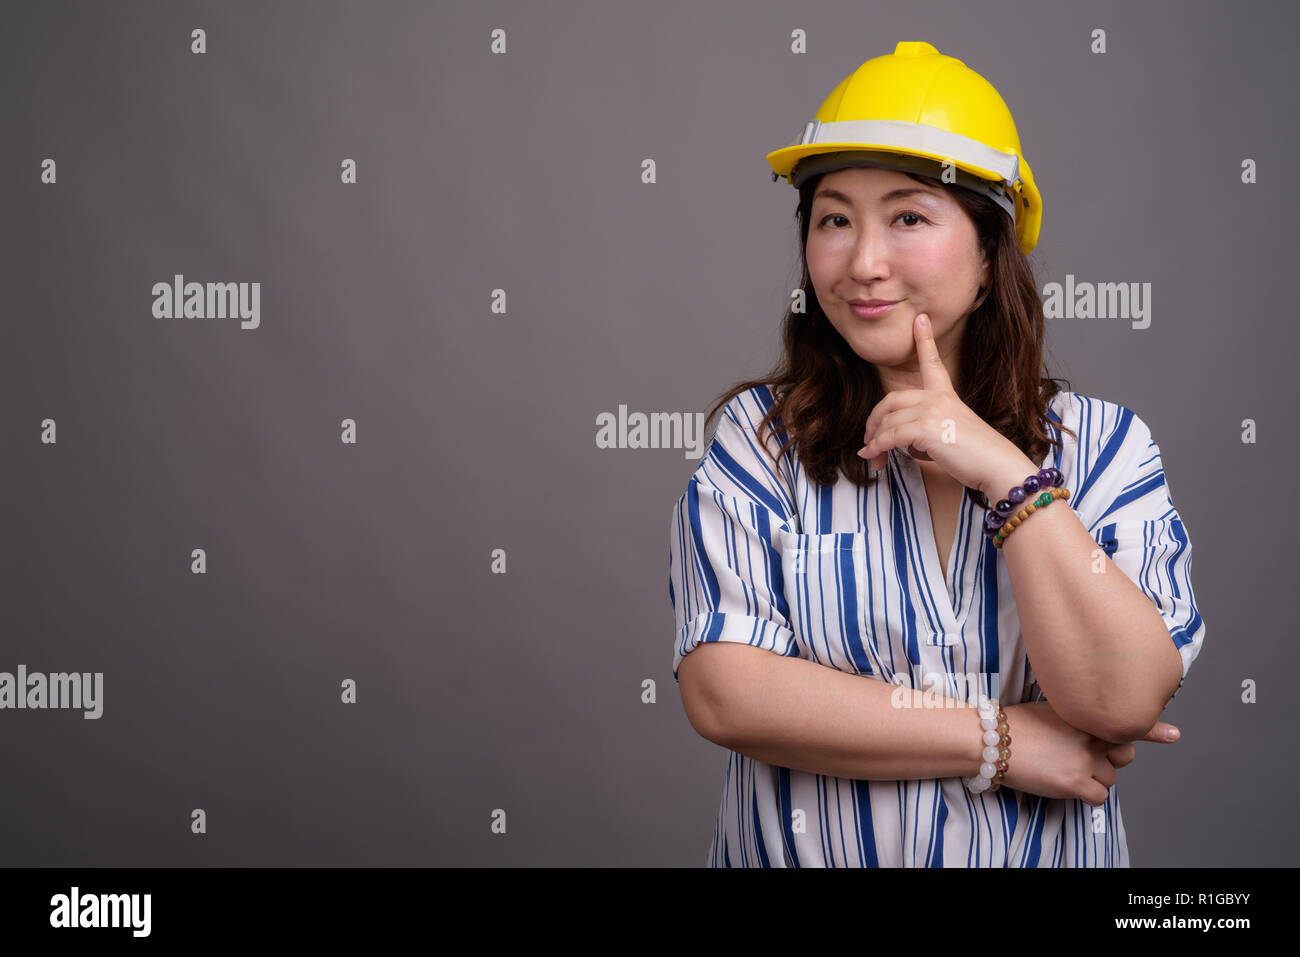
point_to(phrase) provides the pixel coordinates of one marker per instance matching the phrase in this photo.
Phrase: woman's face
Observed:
(920, 250)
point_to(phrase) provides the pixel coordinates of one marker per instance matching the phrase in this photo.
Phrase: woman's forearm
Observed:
(795, 713)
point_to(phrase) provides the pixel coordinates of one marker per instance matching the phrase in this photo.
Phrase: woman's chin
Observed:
(886, 350)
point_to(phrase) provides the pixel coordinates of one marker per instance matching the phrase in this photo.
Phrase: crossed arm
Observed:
(1100, 649)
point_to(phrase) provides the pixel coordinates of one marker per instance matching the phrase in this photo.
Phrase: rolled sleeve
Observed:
(1130, 514)
(725, 571)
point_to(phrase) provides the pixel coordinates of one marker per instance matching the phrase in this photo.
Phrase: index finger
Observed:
(934, 375)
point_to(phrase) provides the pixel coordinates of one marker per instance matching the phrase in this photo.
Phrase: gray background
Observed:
(477, 431)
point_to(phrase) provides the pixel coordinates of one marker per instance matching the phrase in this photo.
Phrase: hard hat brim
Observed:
(1023, 192)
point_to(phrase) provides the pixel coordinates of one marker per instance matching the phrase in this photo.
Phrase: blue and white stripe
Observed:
(850, 578)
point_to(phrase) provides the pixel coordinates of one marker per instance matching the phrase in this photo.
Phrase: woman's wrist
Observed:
(1016, 718)
(1006, 477)
(968, 730)
(995, 736)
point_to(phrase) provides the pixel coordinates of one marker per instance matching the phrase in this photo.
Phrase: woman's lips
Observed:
(871, 312)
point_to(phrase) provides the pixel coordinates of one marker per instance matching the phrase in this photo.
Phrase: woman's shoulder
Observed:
(1090, 416)
(739, 438)
(748, 408)
(1114, 469)
(756, 399)
(1105, 433)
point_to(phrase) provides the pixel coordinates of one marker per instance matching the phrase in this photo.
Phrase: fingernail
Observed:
(925, 320)
(1172, 734)
(860, 451)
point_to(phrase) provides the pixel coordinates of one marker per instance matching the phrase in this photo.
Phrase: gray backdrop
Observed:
(476, 430)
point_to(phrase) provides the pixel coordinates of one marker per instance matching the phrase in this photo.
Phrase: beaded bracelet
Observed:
(1010, 525)
(999, 523)
(997, 747)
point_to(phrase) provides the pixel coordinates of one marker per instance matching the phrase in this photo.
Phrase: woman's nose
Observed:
(870, 257)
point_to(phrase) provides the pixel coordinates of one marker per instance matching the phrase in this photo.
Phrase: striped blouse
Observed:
(850, 578)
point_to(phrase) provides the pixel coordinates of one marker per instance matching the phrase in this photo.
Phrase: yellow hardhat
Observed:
(914, 110)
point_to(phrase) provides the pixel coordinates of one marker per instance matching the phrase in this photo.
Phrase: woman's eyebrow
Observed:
(891, 195)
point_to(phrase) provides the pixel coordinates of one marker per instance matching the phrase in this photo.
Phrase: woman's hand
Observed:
(1057, 760)
(934, 424)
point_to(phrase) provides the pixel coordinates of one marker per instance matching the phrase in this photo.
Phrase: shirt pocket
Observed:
(825, 582)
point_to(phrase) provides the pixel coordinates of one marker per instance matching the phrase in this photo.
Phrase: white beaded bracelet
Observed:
(997, 751)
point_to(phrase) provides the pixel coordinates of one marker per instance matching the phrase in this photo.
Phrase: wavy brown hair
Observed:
(823, 391)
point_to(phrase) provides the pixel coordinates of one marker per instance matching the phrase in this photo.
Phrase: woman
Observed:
(907, 499)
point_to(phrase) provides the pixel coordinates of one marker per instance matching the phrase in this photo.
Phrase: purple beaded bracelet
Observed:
(998, 515)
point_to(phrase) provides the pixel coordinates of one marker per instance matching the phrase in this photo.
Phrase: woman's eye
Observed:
(908, 213)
